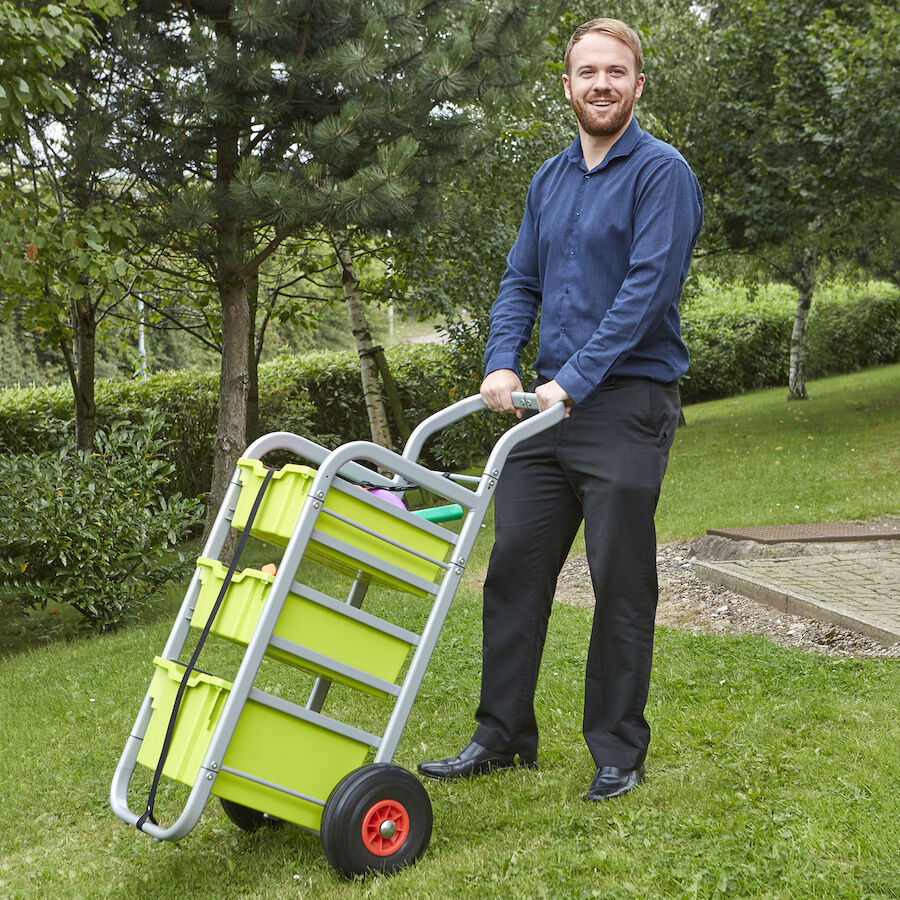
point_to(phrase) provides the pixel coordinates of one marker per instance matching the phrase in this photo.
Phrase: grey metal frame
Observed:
(335, 469)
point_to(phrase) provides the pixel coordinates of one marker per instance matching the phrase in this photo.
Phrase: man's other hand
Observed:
(550, 394)
(497, 388)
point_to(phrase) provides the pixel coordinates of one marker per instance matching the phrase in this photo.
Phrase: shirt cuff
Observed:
(502, 361)
(574, 384)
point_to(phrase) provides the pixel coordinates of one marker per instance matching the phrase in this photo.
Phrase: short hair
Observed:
(617, 29)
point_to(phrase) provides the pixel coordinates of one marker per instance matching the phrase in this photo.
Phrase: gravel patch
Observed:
(693, 605)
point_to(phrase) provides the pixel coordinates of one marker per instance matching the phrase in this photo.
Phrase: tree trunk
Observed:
(252, 361)
(83, 322)
(231, 281)
(80, 363)
(805, 286)
(378, 420)
(233, 382)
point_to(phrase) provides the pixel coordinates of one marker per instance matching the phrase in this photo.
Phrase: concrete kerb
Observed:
(857, 590)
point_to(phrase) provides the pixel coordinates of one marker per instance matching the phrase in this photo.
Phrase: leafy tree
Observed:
(53, 260)
(792, 162)
(288, 295)
(75, 277)
(877, 248)
(35, 43)
(453, 264)
(66, 229)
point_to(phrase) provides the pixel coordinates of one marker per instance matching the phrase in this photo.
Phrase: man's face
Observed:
(601, 84)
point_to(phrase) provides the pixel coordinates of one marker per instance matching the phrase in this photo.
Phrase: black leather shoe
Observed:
(611, 781)
(472, 760)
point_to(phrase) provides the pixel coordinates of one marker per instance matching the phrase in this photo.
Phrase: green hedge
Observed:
(316, 395)
(735, 345)
(327, 386)
(41, 419)
(739, 345)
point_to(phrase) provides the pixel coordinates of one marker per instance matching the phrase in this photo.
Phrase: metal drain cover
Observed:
(824, 531)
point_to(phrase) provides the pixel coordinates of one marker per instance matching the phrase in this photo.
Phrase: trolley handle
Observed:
(453, 413)
(524, 400)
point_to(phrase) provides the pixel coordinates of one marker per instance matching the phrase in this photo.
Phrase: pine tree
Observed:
(252, 121)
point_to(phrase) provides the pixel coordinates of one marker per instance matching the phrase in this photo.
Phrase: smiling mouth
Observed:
(601, 104)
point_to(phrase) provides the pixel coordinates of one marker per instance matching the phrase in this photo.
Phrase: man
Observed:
(604, 248)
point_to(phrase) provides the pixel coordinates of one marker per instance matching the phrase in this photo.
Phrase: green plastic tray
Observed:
(302, 621)
(283, 502)
(267, 743)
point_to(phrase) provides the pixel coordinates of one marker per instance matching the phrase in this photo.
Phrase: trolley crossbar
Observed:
(272, 784)
(354, 612)
(383, 537)
(333, 665)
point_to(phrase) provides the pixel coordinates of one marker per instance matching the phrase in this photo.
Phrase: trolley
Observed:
(269, 759)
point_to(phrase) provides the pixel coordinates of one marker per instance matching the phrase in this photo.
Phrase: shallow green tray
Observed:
(283, 502)
(267, 743)
(302, 621)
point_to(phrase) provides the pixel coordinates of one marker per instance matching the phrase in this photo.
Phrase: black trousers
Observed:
(604, 464)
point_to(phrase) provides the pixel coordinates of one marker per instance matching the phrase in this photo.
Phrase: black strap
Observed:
(167, 741)
(411, 486)
(371, 486)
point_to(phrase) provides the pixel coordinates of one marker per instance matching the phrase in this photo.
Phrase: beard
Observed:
(604, 124)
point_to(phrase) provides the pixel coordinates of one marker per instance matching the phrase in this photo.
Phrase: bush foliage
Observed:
(93, 530)
(736, 344)
(739, 343)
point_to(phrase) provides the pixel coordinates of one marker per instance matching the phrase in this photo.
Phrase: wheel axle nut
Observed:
(388, 828)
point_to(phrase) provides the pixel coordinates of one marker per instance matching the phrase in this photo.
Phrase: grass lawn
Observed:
(772, 773)
(756, 459)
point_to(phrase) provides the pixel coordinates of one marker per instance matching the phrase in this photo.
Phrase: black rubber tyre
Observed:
(246, 818)
(377, 819)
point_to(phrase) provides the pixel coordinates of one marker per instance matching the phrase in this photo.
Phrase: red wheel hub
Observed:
(385, 827)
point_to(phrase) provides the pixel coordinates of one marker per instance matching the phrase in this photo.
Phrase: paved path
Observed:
(859, 590)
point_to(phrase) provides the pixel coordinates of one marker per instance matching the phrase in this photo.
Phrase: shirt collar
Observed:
(622, 147)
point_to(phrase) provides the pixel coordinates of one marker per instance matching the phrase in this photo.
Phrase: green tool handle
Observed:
(440, 513)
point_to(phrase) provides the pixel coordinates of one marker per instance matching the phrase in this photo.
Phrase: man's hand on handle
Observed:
(550, 394)
(497, 388)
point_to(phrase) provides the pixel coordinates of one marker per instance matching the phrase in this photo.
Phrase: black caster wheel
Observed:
(246, 818)
(377, 819)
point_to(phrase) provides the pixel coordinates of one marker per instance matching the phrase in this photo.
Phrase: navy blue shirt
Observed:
(604, 254)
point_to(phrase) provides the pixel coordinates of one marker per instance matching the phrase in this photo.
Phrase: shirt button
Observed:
(572, 252)
(577, 212)
(588, 175)
(563, 329)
